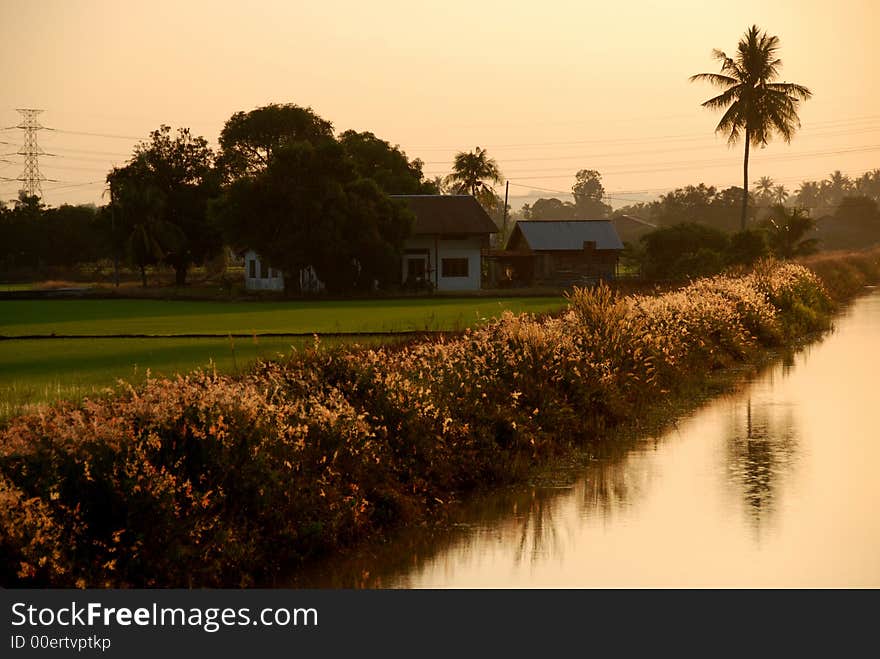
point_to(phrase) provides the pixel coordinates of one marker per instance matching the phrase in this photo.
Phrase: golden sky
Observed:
(547, 87)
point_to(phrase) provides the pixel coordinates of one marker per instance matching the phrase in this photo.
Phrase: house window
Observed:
(252, 272)
(265, 272)
(454, 267)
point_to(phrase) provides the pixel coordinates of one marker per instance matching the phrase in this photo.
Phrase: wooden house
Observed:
(558, 253)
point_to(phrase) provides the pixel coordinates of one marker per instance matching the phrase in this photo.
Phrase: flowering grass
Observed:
(213, 480)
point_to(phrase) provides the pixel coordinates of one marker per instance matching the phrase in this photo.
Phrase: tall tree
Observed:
(137, 207)
(315, 210)
(588, 193)
(249, 140)
(179, 168)
(755, 106)
(473, 173)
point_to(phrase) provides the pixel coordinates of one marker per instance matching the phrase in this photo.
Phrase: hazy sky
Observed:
(547, 87)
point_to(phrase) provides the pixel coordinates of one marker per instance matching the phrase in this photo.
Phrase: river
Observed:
(774, 485)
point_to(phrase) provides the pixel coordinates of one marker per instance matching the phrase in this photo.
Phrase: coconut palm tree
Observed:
(868, 184)
(471, 174)
(838, 186)
(764, 188)
(779, 194)
(755, 106)
(809, 194)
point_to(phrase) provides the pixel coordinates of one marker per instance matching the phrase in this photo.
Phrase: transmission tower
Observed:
(31, 177)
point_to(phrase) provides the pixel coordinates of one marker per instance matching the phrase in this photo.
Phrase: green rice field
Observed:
(36, 371)
(108, 317)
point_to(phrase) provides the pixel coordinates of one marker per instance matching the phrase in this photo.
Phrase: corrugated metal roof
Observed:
(553, 235)
(447, 214)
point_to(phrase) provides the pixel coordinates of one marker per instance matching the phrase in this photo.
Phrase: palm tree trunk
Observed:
(745, 208)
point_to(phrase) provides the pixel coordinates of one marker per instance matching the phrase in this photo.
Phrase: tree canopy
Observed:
(589, 193)
(387, 165)
(249, 140)
(313, 209)
(162, 195)
(550, 209)
(789, 231)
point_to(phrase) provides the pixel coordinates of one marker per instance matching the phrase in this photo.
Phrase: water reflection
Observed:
(771, 485)
(761, 450)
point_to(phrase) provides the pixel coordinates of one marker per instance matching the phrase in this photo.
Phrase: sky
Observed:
(547, 88)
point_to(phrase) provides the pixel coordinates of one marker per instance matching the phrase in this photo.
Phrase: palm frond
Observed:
(716, 79)
(797, 92)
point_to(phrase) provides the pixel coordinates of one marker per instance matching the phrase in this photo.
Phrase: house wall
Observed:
(566, 267)
(252, 264)
(465, 248)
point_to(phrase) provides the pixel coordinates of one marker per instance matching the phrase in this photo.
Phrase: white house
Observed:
(444, 249)
(259, 276)
(446, 242)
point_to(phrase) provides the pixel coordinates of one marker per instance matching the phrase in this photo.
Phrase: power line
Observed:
(76, 132)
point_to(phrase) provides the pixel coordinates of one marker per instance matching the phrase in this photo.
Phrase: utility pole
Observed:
(504, 217)
(31, 177)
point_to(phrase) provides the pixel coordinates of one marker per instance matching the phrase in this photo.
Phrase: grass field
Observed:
(34, 371)
(107, 317)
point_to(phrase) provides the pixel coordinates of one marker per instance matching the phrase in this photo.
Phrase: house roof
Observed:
(634, 220)
(564, 235)
(447, 214)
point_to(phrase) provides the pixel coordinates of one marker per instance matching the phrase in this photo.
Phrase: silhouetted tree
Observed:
(314, 210)
(387, 165)
(868, 185)
(249, 140)
(550, 209)
(764, 189)
(788, 230)
(588, 193)
(138, 208)
(180, 170)
(472, 173)
(755, 106)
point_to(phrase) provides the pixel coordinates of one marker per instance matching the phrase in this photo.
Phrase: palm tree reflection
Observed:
(761, 450)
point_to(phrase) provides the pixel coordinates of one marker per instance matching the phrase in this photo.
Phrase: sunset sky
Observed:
(547, 87)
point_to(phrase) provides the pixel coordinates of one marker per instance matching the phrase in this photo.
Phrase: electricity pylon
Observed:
(31, 177)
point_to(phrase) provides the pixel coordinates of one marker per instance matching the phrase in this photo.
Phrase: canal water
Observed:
(774, 485)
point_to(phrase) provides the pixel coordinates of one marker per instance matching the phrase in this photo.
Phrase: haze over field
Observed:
(548, 88)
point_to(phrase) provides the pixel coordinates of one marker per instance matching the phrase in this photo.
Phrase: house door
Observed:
(416, 268)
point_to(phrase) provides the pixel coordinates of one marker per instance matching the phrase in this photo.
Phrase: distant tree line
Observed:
(34, 237)
(280, 183)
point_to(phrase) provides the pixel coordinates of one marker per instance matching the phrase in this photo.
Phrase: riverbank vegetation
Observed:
(208, 480)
